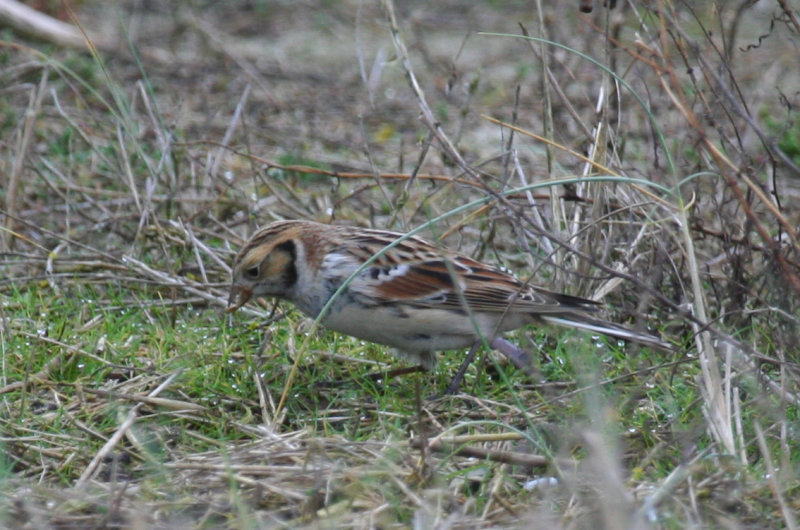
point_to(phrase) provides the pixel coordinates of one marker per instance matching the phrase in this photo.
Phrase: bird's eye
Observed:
(252, 272)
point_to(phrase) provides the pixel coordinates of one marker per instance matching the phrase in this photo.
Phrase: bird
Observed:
(414, 295)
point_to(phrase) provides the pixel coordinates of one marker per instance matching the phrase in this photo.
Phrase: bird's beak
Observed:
(239, 296)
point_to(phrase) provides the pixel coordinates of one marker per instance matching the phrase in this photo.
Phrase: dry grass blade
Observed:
(195, 288)
(126, 424)
(788, 512)
(495, 455)
(22, 152)
(644, 155)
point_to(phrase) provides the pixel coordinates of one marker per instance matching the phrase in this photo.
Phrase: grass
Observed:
(88, 363)
(95, 353)
(129, 398)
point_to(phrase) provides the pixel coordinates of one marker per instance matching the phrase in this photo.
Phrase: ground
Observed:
(646, 156)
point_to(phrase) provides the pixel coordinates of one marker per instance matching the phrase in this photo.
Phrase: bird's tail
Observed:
(607, 328)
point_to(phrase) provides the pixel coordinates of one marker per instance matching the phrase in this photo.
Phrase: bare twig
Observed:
(28, 20)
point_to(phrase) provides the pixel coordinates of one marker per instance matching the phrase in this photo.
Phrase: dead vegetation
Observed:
(646, 155)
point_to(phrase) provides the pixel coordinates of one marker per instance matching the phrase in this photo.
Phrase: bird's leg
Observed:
(456, 382)
(515, 354)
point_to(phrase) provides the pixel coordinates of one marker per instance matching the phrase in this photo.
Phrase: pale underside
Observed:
(417, 339)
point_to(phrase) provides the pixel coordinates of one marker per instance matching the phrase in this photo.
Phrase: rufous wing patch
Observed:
(412, 282)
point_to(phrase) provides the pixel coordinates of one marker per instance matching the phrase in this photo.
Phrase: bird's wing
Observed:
(451, 282)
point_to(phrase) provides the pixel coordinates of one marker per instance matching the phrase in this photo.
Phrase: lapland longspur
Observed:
(415, 297)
